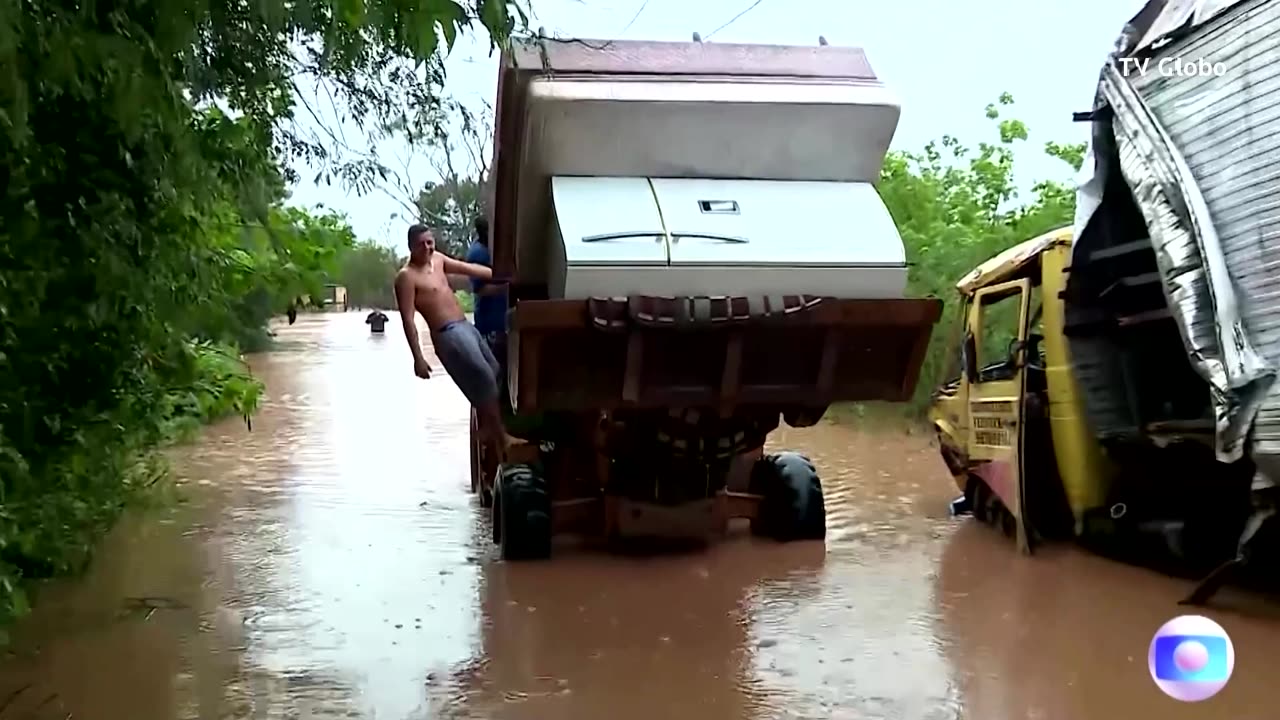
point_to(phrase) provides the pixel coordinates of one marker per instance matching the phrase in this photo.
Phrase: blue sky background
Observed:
(945, 60)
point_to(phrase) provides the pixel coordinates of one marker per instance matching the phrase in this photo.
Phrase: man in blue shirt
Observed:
(491, 299)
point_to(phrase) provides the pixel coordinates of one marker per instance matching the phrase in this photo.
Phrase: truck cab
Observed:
(1014, 424)
(1160, 355)
(1010, 423)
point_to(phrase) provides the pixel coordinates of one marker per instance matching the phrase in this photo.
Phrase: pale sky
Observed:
(945, 60)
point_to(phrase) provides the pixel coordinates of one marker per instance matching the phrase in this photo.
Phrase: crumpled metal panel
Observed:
(1178, 15)
(1199, 154)
(1197, 285)
(1227, 129)
(1092, 357)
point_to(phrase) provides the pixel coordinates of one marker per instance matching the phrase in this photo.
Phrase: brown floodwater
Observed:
(331, 563)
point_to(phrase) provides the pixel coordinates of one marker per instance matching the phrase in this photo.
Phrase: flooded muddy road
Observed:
(331, 563)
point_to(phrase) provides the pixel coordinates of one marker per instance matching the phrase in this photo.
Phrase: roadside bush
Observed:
(52, 515)
(956, 207)
(144, 233)
(368, 272)
(216, 384)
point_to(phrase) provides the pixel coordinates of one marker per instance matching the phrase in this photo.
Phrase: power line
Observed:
(734, 19)
(635, 17)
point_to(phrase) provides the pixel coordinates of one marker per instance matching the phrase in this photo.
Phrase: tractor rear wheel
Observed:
(522, 513)
(791, 505)
(481, 471)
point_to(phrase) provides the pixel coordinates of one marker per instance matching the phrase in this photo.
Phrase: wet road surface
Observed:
(331, 563)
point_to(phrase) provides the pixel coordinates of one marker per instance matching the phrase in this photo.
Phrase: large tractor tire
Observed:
(522, 513)
(792, 507)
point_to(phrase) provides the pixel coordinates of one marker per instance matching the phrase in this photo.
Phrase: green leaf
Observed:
(352, 12)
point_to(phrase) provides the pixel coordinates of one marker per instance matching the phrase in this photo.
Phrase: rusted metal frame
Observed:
(505, 173)
(513, 368)
(523, 453)
(915, 361)
(535, 316)
(827, 365)
(728, 505)
(527, 365)
(666, 58)
(761, 395)
(782, 395)
(608, 518)
(569, 314)
(731, 378)
(632, 371)
(740, 504)
(589, 515)
(577, 515)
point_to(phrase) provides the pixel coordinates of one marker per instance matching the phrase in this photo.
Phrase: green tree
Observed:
(261, 268)
(956, 207)
(455, 140)
(451, 207)
(368, 271)
(142, 230)
(452, 204)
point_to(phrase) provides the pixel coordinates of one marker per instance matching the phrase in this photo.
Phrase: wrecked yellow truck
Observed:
(1116, 378)
(1023, 428)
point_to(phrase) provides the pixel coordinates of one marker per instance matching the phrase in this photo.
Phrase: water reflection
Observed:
(591, 635)
(863, 643)
(1073, 629)
(363, 570)
(331, 563)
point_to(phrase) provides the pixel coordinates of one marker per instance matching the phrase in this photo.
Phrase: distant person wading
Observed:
(377, 322)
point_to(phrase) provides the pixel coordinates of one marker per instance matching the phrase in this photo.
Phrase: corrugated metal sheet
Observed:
(1177, 15)
(1227, 131)
(1155, 22)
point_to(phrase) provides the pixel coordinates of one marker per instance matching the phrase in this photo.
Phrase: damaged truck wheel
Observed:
(791, 505)
(522, 514)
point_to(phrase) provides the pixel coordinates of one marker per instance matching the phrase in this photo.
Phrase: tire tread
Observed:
(792, 506)
(522, 513)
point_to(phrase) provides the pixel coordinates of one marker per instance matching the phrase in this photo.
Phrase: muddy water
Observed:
(331, 563)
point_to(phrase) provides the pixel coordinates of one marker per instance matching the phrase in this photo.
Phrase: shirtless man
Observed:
(422, 286)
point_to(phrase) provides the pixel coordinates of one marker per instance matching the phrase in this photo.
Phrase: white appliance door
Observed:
(608, 221)
(791, 224)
